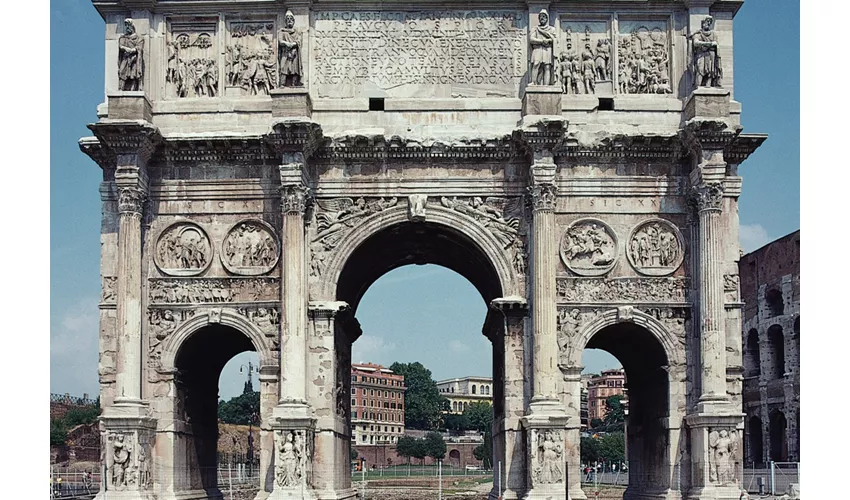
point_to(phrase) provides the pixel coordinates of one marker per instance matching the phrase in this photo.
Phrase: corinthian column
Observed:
(293, 203)
(707, 198)
(129, 297)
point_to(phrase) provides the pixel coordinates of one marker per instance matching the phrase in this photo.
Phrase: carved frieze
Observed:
(183, 249)
(731, 287)
(589, 247)
(213, 291)
(622, 290)
(250, 57)
(585, 60)
(722, 453)
(162, 323)
(334, 218)
(656, 248)
(250, 248)
(108, 289)
(643, 58)
(192, 65)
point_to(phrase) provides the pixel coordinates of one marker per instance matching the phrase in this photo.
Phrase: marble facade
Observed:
(265, 162)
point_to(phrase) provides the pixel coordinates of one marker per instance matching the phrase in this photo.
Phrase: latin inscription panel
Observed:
(418, 54)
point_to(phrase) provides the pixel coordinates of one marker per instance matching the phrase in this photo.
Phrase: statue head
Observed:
(708, 23)
(289, 19)
(543, 18)
(129, 27)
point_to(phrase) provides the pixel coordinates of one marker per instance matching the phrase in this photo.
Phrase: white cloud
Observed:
(458, 346)
(74, 349)
(752, 237)
(371, 348)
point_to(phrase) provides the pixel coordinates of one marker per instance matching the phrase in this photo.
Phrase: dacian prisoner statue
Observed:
(264, 163)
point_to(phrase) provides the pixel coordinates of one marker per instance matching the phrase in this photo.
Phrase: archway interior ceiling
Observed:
(416, 243)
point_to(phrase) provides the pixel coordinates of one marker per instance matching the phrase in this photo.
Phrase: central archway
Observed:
(382, 244)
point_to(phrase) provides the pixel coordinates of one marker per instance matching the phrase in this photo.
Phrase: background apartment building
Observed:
(600, 388)
(377, 405)
(462, 392)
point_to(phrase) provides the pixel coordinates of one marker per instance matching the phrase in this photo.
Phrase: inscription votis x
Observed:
(397, 49)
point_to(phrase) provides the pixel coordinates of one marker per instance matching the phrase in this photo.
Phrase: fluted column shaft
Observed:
(708, 199)
(293, 347)
(543, 309)
(129, 294)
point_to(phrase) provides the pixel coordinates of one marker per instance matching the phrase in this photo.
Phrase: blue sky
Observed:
(419, 313)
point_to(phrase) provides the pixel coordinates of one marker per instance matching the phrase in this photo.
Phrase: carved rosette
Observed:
(589, 247)
(656, 248)
(131, 201)
(294, 199)
(707, 196)
(250, 248)
(183, 249)
(543, 197)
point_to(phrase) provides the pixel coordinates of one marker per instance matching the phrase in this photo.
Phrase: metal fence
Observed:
(773, 479)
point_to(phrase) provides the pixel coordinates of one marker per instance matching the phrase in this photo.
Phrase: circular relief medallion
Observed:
(589, 247)
(250, 248)
(183, 249)
(655, 248)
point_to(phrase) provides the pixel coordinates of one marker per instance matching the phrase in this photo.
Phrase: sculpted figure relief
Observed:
(192, 68)
(183, 249)
(213, 291)
(644, 62)
(707, 69)
(586, 59)
(252, 64)
(289, 50)
(589, 248)
(542, 41)
(622, 289)
(290, 451)
(500, 215)
(250, 248)
(131, 48)
(724, 446)
(121, 453)
(550, 467)
(655, 248)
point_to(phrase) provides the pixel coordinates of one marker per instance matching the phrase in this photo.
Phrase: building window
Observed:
(473, 388)
(353, 402)
(364, 402)
(353, 391)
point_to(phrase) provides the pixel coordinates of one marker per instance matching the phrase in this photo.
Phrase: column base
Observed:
(715, 493)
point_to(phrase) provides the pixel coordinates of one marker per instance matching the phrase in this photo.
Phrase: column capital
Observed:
(294, 199)
(707, 196)
(131, 200)
(543, 197)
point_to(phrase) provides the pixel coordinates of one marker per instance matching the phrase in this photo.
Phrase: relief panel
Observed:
(424, 53)
(191, 60)
(250, 60)
(643, 53)
(585, 60)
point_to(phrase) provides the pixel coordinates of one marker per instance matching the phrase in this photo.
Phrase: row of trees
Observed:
(432, 445)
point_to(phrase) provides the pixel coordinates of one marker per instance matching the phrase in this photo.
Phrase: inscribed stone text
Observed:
(428, 47)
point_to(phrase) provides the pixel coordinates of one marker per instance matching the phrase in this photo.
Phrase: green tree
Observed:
(419, 450)
(589, 450)
(58, 432)
(456, 424)
(612, 447)
(352, 454)
(615, 415)
(423, 403)
(484, 451)
(405, 447)
(480, 416)
(241, 409)
(78, 415)
(435, 446)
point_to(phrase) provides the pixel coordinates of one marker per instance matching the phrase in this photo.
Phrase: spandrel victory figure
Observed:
(706, 64)
(131, 47)
(289, 50)
(542, 40)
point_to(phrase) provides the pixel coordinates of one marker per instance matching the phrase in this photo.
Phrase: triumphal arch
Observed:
(265, 161)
